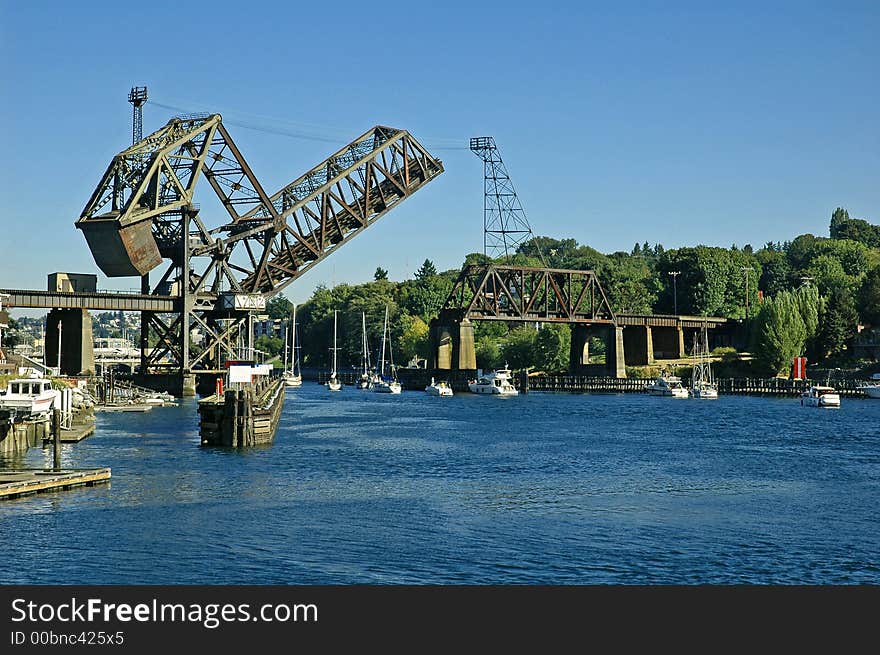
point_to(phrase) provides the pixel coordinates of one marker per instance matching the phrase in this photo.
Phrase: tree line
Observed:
(804, 296)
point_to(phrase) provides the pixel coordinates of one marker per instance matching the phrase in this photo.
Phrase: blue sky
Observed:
(671, 122)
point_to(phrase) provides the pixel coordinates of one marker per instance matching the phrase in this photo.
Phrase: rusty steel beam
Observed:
(143, 213)
(524, 293)
(117, 302)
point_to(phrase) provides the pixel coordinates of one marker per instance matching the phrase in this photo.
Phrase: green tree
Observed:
(380, 274)
(426, 270)
(519, 348)
(838, 217)
(279, 307)
(868, 299)
(776, 273)
(553, 347)
(270, 345)
(839, 324)
(779, 334)
(488, 351)
(413, 340)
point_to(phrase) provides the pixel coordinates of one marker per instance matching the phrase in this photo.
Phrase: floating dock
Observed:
(22, 482)
(243, 417)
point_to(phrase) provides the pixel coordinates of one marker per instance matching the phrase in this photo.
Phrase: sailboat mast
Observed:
(334, 343)
(365, 351)
(293, 340)
(384, 330)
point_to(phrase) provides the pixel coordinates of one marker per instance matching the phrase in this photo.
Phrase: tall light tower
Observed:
(137, 97)
(505, 226)
(675, 275)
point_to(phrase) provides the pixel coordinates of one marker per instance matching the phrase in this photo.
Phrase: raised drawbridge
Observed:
(142, 221)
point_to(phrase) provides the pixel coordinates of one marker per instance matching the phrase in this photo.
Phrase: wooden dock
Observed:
(244, 417)
(22, 482)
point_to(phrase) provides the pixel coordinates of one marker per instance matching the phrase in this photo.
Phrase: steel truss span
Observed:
(142, 217)
(523, 293)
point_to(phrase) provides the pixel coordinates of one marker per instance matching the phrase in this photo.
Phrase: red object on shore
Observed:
(219, 387)
(799, 368)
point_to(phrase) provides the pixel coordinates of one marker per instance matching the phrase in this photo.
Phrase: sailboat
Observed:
(364, 380)
(334, 383)
(380, 383)
(702, 383)
(292, 375)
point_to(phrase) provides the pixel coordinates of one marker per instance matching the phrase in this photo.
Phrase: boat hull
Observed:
(492, 390)
(872, 391)
(827, 400)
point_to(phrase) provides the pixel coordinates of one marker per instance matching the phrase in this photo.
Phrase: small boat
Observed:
(292, 376)
(497, 383)
(334, 383)
(365, 377)
(703, 384)
(872, 388)
(667, 385)
(820, 396)
(441, 388)
(380, 383)
(29, 396)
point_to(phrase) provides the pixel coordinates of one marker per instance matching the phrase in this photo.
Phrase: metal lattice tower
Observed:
(137, 97)
(505, 227)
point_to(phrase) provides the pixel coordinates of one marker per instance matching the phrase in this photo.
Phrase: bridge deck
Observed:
(126, 302)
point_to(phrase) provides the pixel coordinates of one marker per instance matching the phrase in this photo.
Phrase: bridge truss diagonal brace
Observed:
(521, 293)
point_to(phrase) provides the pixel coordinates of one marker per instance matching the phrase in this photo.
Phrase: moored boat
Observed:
(440, 388)
(820, 396)
(28, 396)
(496, 383)
(667, 385)
(872, 388)
(381, 383)
(334, 383)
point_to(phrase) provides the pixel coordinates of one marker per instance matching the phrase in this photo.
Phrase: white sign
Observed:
(240, 374)
(263, 369)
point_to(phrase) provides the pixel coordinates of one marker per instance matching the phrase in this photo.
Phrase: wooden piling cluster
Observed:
(242, 417)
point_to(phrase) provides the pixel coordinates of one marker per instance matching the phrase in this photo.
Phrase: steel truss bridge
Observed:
(141, 220)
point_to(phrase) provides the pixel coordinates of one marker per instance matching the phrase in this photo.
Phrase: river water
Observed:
(411, 489)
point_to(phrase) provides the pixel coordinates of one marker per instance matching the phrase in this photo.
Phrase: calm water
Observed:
(543, 488)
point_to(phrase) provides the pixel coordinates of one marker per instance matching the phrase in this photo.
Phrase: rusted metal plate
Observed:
(121, 251)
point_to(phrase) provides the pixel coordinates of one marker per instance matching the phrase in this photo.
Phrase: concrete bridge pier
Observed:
(77, 344)
(579, 353)
(639, 345)
(452, 344)
(669, 342)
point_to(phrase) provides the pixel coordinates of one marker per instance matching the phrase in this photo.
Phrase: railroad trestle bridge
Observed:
(526, 294)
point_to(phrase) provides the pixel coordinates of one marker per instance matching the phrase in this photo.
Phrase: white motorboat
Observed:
(292, 376)
(29, 396)
(496, 383)
(440, 388)
(820, 396)
(667, 385)
(872, 388)
(380, 383)
(334, 383)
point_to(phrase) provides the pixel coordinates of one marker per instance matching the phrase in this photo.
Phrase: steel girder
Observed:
(524, 293)
(142, 213)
